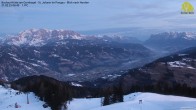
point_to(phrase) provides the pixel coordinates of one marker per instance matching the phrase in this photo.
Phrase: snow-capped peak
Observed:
(175, 35)
(190, 35)
(37, 37)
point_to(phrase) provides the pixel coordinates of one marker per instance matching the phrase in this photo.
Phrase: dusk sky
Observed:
(98, 14)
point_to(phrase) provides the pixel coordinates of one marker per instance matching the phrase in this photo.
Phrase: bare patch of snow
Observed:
(180, 64)
(176, 64)
(34, 64)
(36, 51)
(17, 59)
(54, 55)
(76, 84)
(42, 63)
(70, 74)
(14, 55)
(182, 54)
(29, 68)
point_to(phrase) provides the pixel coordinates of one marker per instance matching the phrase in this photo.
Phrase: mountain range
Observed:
(67, 55)
(171, 41)
(173, 75)
(59, 65)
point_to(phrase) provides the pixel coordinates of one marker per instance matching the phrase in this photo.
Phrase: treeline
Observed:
(112, 94)
(53, 92)
(56, 93)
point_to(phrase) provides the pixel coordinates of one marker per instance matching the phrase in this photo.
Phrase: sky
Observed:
(98, 14)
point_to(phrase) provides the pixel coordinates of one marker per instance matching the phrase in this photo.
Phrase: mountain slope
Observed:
(67, 56)
(174, 74)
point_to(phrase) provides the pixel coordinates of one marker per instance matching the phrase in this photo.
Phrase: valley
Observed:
(61, 66)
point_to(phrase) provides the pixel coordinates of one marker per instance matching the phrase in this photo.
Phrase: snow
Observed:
(8, 100)
(177, 64)
(65, 60)
(84, 104)
(70, 74)
(29, 68)
(42, 62)
(36, 51)
(77, 52)
(39, 37)
(17, 59)
(182, 54)
(190, 67)
(36, 42)
(190, 35)
(5, 78)
(35, 64)
(150, 101)
(176, 35)
(187, 59)
(111, 76)
(61, 37)
(54, 55)
(76, 84)
(76, 37)
(12, 55)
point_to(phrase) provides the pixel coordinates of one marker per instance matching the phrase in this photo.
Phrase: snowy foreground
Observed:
(150, 101)
(8, 98)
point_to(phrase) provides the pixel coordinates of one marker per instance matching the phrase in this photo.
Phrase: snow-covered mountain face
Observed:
(67, 55)
(172, 41)
(39, 37)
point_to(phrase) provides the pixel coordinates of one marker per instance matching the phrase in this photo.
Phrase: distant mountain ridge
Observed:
(38, 37)
(175, 35)
(172, 41)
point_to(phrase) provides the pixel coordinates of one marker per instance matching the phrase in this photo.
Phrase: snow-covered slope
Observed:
(84, 104)
(8, 98)
(150, 101)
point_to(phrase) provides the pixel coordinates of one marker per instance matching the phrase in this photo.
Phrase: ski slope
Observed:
(150, 101)
(8, 98)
